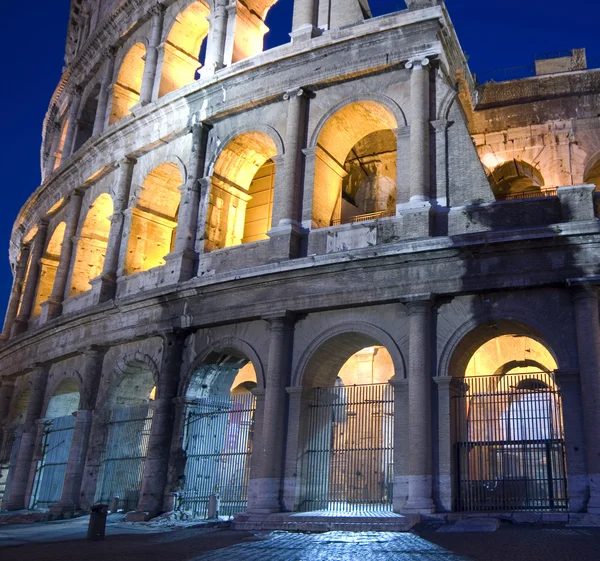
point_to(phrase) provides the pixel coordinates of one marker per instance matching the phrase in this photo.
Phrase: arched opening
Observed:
(592, 173)
(217, 435)
(154, 219)
(127, 432)
(49, 266)
(516, 179)
(182, 49)
(92, 243)
(61, 144)
(241, 194)
(10, 436)
(508, 432)
(348, 431)
(127, 88)
(56, 443)
(250, 28)
(85, 122)
(355, 165)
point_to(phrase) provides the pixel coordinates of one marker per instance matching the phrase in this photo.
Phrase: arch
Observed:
(154, 219)
(181, 57)
(331, 349)
(511, 178)
(482, 328)
(355, 163)
(232, 189)
(91, 245)
(86, 118)
(63, 400)
(128, 85)
(237, 348)
(134, 377)
(49, 266)
(592, 171)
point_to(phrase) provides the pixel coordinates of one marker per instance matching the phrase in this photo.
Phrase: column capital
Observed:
(127, 161)
(42, 225)
(441, 125)
(297, 92)
(294, 390)
(157, 9)
(258, 393)
(77, 90)
(584, 289)
(280, 320)
(41, 366)
(417, 63)
(420, 304)
(7, 382)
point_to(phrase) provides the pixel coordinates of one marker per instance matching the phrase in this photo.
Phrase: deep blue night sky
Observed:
(495, 34)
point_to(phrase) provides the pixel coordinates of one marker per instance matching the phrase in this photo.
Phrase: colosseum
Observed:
(339, 277)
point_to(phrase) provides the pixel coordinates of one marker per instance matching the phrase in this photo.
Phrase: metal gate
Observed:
(122, 464)
(50, 472)
(348, 460)
(218, 446)
(510, 450)
(7, 456)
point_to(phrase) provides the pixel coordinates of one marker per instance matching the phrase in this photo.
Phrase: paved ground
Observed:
(64, 541)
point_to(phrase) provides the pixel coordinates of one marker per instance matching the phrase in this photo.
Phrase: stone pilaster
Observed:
(400, 443)
(52, 308)
(151, 66)
(105, 90)
(215, 51)
(419, 408)
(54, 129)
(154, 480)
(70, 498)
(183, 258)
(7, 388)
(73, 122)
(267, 482)
(587, 323)
(304, 20)
(441, 161)
(31, 284)
(16, 292)
(16, 496)
(298, 404)
(116, 235)
(285, 232)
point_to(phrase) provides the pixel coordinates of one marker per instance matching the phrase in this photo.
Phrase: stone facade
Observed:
(130, 272)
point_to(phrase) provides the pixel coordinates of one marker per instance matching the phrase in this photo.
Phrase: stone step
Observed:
(293, 522)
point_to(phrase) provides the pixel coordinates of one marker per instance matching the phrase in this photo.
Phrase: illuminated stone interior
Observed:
(250, 28)
(593, 174)
(182, 47)
(339, 142)
(64, 400)
(154, 219)
(371, 365)
(49, 265)
(260, 207)
(126, 90)
(236, 167)
(515, 176)
(91, 246)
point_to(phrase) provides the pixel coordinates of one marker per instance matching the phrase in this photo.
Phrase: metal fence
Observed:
(510, 450)
(218, 446)
(50, 472)
(122, 464)
(348, 460)
(7, 456)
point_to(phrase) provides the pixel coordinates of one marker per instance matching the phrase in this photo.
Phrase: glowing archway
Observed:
(127, 88)
(49, 266)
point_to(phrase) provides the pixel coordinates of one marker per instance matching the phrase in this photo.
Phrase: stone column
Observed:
(268, 474)
(183, 258)
(285, 232)
(441, 161)
(73, 122)
(419, 130)
(31, 284)
(304, 20)
(419, 408)
(16, 498)
(105, 90)
(215, 49)
(70, 498)
(587, 323)
(54, 130)
(150, 68)
(52, 308)
(154, 480)
(400, 386)
(116, 237)
(15, 294)
(6, 392)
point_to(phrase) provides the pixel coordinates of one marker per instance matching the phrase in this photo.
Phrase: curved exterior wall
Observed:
(443, 272)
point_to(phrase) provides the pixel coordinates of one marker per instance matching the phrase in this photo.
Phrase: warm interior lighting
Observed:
(49, 266)
(127, 88)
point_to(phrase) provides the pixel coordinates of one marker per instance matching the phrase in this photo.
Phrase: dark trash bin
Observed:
(97, 525)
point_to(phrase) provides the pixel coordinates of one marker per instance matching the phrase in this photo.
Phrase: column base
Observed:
(263, 496)
(304, 33)
(140, 516)
(285, 242)
(181, 265)
(63, 508)
(104, 288)
(51, 309)
(20, 326)
(593, 505)
(418, 219)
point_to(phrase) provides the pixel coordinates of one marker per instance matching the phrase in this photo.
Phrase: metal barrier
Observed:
(122, 464)
(218, 446)
(7, 456)
(51, 469)
(510, 451)
(348, 459)
(528, 195)
(363, 217)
